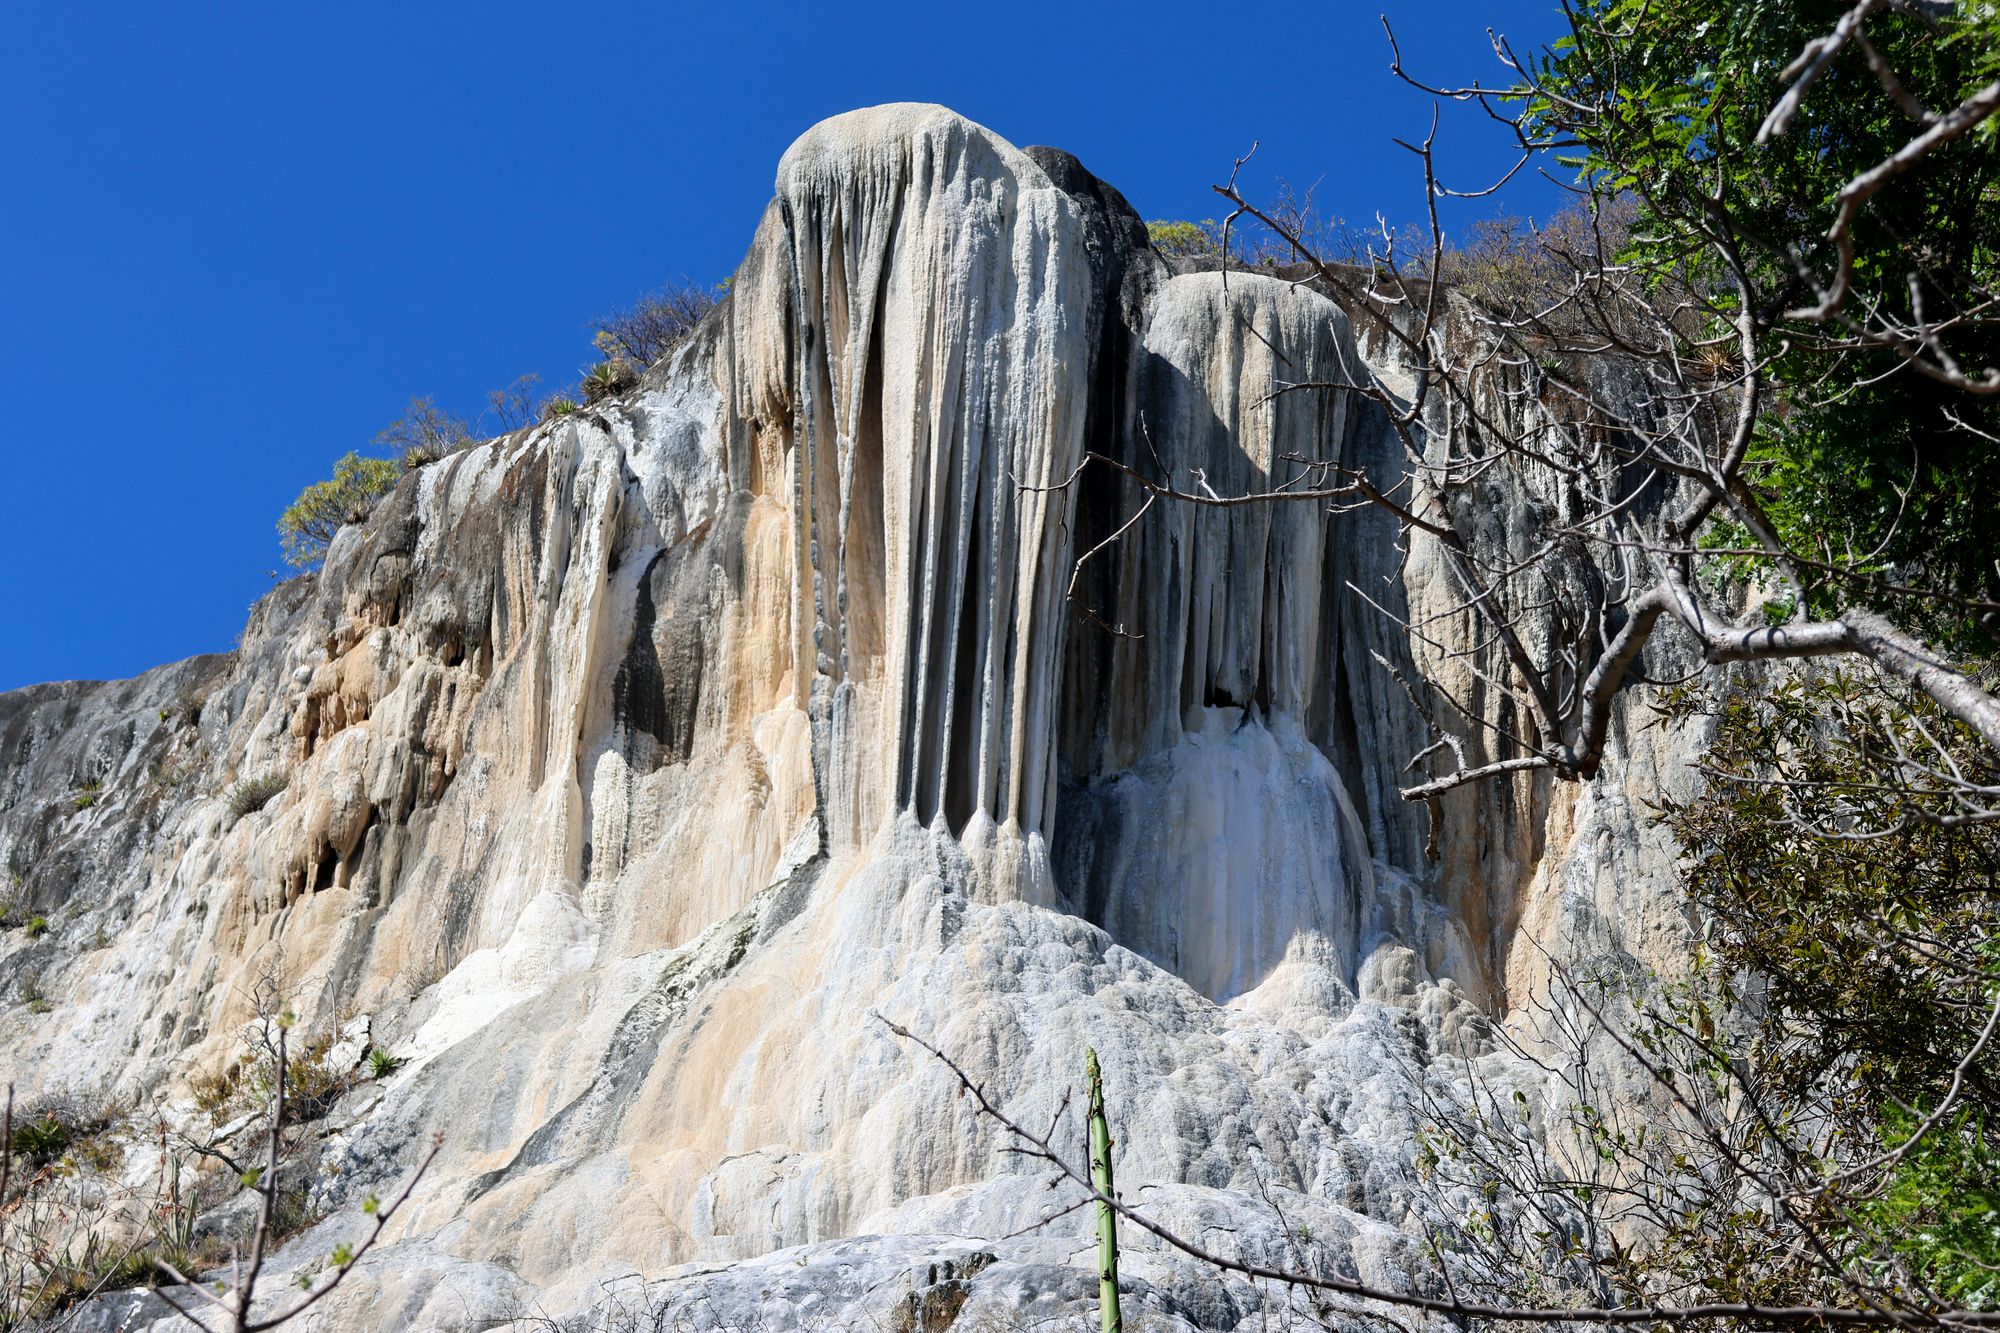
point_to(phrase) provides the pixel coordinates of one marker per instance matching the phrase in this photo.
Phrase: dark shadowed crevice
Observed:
(639, 692)
(968, 702)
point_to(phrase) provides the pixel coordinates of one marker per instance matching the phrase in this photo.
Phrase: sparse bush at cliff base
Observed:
(308, 526)
(55, 1127)
(71, 1227)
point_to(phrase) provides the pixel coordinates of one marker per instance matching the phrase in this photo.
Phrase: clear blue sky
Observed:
(235, 239)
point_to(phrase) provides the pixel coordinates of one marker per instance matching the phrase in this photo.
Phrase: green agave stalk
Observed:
(1107, 1217)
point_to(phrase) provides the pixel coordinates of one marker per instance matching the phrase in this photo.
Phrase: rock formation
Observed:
(635, 762)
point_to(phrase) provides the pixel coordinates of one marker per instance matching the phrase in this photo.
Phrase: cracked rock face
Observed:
(633, 764)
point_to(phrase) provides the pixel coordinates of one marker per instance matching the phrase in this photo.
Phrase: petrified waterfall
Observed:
(637, 760)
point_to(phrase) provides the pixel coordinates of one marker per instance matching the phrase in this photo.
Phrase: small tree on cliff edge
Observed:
(308, 525)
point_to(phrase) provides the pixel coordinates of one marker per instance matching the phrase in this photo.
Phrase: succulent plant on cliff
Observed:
(607, 378)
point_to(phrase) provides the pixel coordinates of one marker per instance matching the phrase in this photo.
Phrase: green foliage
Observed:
(38, 926)
(64, 1126)
(607, 378)
(1101, 1180)
(1818, 871)
(1939, 1208)
(1853, 938)
(628, 341)
(308, 525)
(1180, 239)
(86, 794)
(381, 1064)
(38, 1142)
(1865, 465)
(76, 1272)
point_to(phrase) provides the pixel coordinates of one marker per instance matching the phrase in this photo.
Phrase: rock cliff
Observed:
(635, 762)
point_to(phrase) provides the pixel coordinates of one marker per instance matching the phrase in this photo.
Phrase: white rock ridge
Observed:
(635, 762)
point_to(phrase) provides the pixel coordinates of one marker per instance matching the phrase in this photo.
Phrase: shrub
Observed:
(185, 708)
(39, 1142)
(1185, 240)
(558, 406)
(86, 794)
(312, 1085)
(33, 995)
(308, 526)
(423, 434)
(216, 1095)
(170, 775)
(71, 1278)
(253, 794)
(1517, 268)
(654, 326)
(381, 1064)
(293, 1211)
(60, 1125)
(514, 406)
(38, 927)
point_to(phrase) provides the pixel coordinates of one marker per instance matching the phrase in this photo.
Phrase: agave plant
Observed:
(607, 378)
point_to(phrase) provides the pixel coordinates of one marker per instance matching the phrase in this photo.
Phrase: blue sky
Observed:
(235, 239)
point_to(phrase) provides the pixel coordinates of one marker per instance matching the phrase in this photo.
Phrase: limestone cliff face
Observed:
(633, 762)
